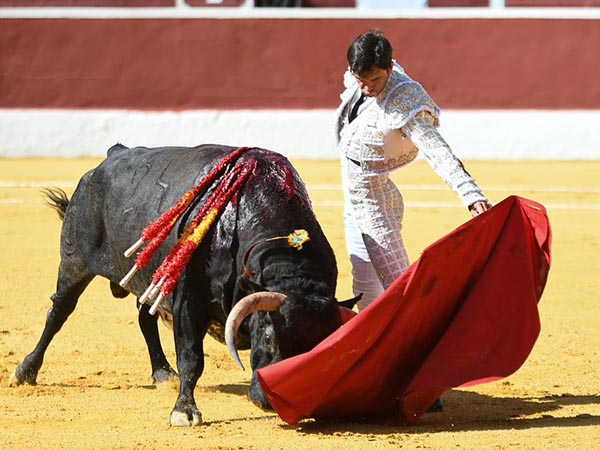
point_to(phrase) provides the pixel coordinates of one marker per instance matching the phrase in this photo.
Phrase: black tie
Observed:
(354, 111)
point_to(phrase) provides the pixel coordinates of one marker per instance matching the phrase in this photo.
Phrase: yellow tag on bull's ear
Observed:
(298, 238)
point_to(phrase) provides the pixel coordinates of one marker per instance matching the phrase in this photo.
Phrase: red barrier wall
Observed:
(97, 3)
(291, 63)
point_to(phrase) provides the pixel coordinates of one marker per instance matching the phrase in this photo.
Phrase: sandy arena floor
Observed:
(95, 391)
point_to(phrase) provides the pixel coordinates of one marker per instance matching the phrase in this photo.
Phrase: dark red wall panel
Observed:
(451, 3)
(86, 3)
(291, 63)
(553, 3)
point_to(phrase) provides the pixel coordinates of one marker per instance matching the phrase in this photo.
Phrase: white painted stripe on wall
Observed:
(304, 134)
(297, 13)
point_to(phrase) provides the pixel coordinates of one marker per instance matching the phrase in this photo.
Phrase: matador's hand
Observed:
(479, 207)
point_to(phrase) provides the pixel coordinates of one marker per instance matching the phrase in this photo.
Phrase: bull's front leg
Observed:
(189, 326)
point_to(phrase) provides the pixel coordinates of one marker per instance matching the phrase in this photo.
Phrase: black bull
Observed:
(133, 187)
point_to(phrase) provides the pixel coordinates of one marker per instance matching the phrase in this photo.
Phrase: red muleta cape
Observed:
(464, 313)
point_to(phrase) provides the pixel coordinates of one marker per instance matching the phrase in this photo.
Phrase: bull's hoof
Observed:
(22, 376)
(163, 375)
(14, 380)
(192, 418)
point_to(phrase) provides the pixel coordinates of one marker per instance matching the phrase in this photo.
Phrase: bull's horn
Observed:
(259, 301)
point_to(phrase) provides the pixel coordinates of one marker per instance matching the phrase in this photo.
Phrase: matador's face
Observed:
(372, 83)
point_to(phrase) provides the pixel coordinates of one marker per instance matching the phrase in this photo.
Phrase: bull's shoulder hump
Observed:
(270, 156)
(116, 149)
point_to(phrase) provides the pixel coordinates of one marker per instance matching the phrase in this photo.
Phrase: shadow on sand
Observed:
(467, 411)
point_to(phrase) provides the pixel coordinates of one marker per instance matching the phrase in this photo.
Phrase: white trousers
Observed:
(373, 211)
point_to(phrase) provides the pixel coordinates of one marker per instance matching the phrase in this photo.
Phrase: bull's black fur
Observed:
(133, 187)
(57, 199)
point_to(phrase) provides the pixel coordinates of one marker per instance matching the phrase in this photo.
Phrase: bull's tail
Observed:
(56, 199)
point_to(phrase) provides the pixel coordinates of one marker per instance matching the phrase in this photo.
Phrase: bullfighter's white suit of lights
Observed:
(388, 133)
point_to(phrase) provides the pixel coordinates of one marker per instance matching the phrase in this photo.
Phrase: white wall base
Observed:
(306, 134)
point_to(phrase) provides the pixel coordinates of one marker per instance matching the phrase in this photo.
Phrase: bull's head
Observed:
(281, 328)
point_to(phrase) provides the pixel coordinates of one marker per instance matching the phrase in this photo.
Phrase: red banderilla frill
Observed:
(166, 276)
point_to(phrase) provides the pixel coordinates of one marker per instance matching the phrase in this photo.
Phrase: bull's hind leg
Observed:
(70, 286)
(161, 369)
(190, 322)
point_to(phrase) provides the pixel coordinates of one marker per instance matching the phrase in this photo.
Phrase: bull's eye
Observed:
(269, 336)
(269, 339)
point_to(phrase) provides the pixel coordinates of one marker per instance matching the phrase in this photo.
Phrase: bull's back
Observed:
(133, 187)
(114, 202)
(137, 185)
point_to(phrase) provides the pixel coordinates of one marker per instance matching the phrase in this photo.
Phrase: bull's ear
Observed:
(247, 285)
(350, 302)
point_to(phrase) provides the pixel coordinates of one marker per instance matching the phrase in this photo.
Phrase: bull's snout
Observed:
(258, 397)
